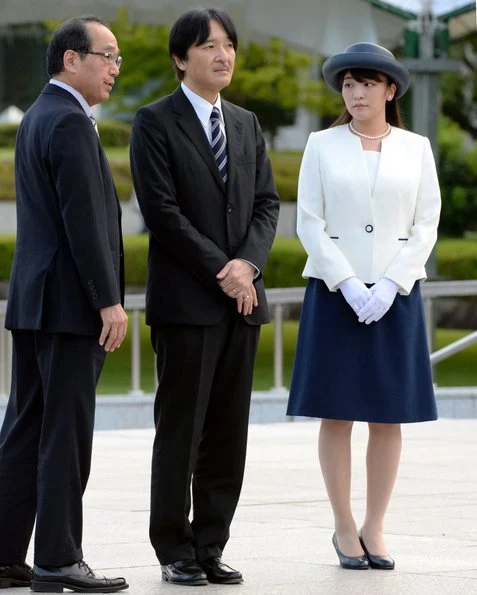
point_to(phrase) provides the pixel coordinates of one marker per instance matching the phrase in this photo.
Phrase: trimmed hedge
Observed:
(122, 178)
(7, 180)
(113, 134)
(135, 259)
(7, 247)
(285, 168)
(8, 135)
(456, 259)
(119, 168)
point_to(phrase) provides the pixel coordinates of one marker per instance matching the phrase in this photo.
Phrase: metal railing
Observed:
(278, 299)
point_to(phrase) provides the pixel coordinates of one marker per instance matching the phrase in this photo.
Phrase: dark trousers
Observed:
(201, 416)
(45, 445)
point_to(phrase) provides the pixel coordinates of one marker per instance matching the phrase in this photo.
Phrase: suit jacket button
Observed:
(369, 228)
(229, 209)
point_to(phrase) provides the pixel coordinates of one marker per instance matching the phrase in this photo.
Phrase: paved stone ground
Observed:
(281, 535)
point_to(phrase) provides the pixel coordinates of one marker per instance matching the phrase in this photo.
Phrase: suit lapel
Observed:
(188, 121)
(234, 132)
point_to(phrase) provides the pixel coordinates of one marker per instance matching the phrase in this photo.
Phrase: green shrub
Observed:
(285, 264)
(456, 259)
(286, 167)
(7, 247)
(122, 178)
(7, 181)
(119, 168)
(135, 259)
(114, 133)
(458, 181)
(8, 135)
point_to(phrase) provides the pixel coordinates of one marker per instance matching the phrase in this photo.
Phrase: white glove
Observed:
(355, 293)
(383, 293)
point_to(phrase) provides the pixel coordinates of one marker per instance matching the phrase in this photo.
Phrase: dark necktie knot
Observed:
(218, 143)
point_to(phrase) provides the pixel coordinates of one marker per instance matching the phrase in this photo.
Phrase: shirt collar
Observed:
(76, 94)
(202, 107)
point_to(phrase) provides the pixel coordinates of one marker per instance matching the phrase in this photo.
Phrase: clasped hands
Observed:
(370, 304)
(236, 281)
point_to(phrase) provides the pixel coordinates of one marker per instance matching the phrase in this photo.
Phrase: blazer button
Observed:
(229, 209)
(369, 228)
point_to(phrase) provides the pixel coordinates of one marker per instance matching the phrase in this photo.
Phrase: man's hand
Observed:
(247, 302)
(115, 325)
(236, 281)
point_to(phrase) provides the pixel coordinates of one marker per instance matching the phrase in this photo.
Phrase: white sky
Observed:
(438, 6)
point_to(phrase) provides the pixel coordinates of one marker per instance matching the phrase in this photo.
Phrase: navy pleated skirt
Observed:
(348, 370)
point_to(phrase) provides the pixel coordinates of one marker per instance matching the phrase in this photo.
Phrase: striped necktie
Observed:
(94, 123)
(218, 143)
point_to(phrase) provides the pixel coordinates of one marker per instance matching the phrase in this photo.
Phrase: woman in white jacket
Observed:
(368, 210)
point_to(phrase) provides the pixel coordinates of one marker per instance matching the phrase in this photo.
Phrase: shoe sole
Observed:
(197, 583)
(6, 583)
(57, 587)
(227, 581)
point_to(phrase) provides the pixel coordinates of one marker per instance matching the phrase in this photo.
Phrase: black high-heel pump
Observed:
(350, 562)
(377, 562)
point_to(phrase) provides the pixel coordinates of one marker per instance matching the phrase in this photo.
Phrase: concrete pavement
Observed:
(281, 535)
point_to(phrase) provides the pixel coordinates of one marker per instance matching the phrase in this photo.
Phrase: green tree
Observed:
(459, 90)
(146, 72)
(274, 81)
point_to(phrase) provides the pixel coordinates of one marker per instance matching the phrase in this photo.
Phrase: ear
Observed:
(181, 65)
(391, 92)
(70, 60)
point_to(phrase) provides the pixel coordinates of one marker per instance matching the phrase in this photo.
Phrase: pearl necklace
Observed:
(369, 137)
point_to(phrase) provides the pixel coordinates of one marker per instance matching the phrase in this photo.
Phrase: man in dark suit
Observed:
(206, 191)
(64, 311)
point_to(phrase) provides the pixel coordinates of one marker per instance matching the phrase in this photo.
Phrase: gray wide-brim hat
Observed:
(368, 56)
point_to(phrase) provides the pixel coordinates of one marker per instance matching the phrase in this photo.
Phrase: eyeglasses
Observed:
(111, 58)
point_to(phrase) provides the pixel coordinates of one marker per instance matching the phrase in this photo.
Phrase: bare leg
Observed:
(382, 460)
(334, 449)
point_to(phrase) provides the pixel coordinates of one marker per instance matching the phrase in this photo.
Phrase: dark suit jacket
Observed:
(196, 222)
(68, 260)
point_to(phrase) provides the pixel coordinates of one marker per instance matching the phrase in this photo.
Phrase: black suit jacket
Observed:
(196, 222)
(69, 258)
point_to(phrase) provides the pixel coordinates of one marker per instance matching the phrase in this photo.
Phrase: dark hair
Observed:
(193, 28)
(73, 34)
(393, 113)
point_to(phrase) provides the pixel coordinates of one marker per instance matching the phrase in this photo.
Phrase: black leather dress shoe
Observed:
(184, 572)
(218, 572)
(377, 562)
(15, 575)
(78, 577)
(350, 562)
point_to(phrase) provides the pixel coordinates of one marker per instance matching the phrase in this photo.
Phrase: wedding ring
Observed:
(235, 291)
(246, 297)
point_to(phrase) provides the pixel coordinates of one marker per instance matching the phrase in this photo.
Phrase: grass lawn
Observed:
(459, 370)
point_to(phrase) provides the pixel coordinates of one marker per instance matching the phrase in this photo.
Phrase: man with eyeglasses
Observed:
(65, 313)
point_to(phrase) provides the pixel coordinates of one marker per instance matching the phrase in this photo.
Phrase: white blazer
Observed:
(348, 231)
